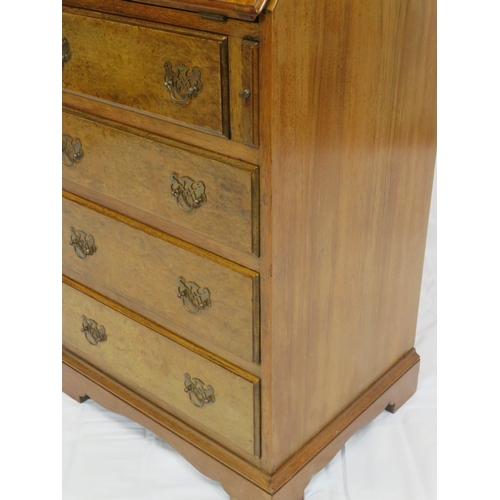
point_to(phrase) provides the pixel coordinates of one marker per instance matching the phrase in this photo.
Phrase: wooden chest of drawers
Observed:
(246, 188)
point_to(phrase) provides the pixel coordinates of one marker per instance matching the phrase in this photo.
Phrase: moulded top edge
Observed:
(239, 9)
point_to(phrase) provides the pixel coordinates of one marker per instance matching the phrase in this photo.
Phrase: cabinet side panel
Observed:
(348, 146)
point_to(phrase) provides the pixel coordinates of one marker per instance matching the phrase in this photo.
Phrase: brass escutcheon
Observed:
(93, 332)
(189, 194)
(66, 52)
(72, 151)
(182, 83)
(194, 298)
(83, 245)
(199, 395)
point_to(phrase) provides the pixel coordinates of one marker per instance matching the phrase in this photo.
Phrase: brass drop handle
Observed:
(199, 394)
(181, 82)
(194, 298)
(72, 151)
(66, 51)
(94, 333)
(83, 245)
(190, 194)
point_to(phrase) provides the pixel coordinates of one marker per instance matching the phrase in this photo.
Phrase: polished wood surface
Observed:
(121, 60)
(181, 425)
(244, 90)
(159, 368)
(244, 259)
(161, 127)
(244, 9)
(152, 325)
(347, 158)
(240, 478)
(339, 126)
(136, 170)
(146, 270)
(148, 317)
(396, 394)
(174, 17)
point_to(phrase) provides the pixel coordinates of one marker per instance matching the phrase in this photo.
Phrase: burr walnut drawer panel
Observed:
(203, 293)
(221, 398)
(174, 73)
(202, 194)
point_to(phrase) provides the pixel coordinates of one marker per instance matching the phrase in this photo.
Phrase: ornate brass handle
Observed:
(194, 298)
(181, 82)
(72, 151)
(83, 245)
(199, 395)
(190, 194)
(93, 332)
(66, 51)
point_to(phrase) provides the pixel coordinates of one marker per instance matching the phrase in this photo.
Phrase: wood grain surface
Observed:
(242, 258)
(244, 77)
(347, 141)
(348, 146)
(240, 478)
(122, 61)
(161, 127)
(134, 168)
(146, 269)
(250, 81)
(174, 17)
(243, 9)
(159, 365)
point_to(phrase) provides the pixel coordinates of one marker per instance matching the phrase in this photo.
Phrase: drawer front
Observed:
(173, 73)
(213, 298)
(154, 366)
(212, 198)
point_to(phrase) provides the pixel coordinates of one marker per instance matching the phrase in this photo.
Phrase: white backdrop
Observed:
(108, 457)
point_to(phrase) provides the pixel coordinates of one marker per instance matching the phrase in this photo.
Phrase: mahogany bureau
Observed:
(246, 190)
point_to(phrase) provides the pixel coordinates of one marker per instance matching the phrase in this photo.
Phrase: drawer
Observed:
(213, 298)
(211, 197)
(167, 373)
(173, 73)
